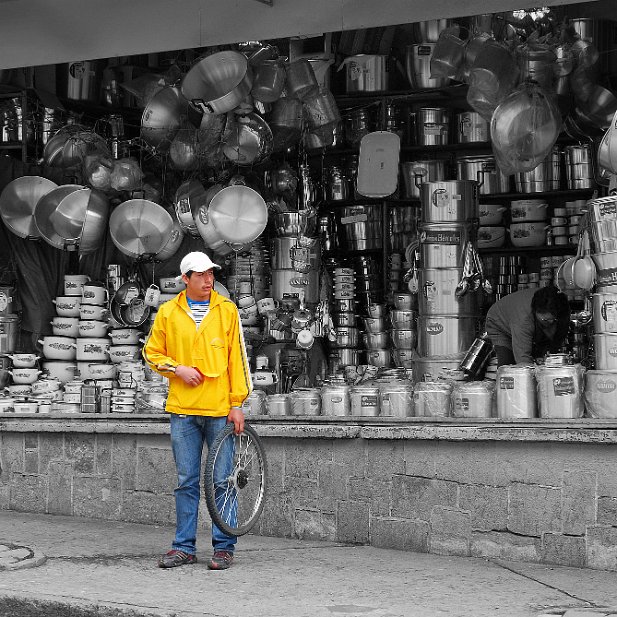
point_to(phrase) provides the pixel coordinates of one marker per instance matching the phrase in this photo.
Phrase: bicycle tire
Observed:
(245, 484)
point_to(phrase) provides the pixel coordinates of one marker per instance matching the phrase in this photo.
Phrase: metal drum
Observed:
(292, 253)
(444, 335)
(306, 402)
(437, 293)
(442, 245)
(417, 172)
(9, 331)
(483, 169)
(471, 127)
(396, 399)
(432, 126)
(364, 401)
(516, 392)
(560, 391)
(601, 394)
(452, 201)
(436, 368)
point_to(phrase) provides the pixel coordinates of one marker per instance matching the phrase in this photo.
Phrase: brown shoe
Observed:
(175, 558)
(221, 560)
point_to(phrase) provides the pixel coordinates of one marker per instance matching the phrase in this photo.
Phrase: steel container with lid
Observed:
(442, 244)
(485, 171)
(436, 368)
(560, 391)
(396, 399)
(278, 405)
(432, 399)
(516, 391)
(601, 394)
(255, 403)
(335, 400)
(473, 399)
(417, 172)
(471, 127)
(364, 400)
(306, 402)
(449, 201)
(432, 126)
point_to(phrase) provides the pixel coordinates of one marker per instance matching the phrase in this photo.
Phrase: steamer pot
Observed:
(437, 293)
(454, 201)
(443, 335)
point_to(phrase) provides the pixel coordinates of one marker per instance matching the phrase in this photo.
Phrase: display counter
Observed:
(540, 490)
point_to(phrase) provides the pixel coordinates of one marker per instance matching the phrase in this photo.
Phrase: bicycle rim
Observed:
(235, 500)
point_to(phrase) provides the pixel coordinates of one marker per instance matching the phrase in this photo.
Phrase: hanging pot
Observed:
(45, 207)
(161, 118)
(172, 245)
(218, 83)
(248, 141)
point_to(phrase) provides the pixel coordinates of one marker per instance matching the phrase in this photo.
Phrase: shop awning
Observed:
(40, 32)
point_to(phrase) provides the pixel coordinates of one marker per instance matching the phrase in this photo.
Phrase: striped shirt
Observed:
(199, 309)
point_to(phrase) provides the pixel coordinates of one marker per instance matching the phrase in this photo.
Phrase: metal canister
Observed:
(471, 127)
(432, 126)
(357, 124)
(477, 356)
(473, 399)
(396, 399)
(364, 400)
(560, 391)
(516, 392)
(433, 399)
(335, 400)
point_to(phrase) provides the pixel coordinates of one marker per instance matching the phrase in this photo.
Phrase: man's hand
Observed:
(189, 375)
(237, 417)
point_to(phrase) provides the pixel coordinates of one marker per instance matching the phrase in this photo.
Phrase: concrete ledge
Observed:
(583, 430)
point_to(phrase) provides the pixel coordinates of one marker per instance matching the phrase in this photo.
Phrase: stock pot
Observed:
(453, 201)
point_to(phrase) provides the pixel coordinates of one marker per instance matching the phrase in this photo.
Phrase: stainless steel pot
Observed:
(219, 82)
(295, 223)
(347, 337)
(364, 400)
(605, 347)
(403, 320)
(292, 253)
(418, 67)
(545, 177)
(454, 201)
(289, 283)
(442, 245)
(362, 226)
(437, 293)
(345, 356)
(471, 127)
(516, 392)
(366, 73)
(344, 320)
(428, 31)
(484, 170)
(162, 118)
(604, 309)
(432, 126)
(417, 172)
(376, 340)
(379, 357)
(444, 335)
(404, 339)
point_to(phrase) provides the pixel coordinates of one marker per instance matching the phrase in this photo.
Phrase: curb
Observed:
(18, 557)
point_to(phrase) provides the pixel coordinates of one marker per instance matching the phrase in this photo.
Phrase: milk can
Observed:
(335, 400)
(396, 399)
(473, 399)
(306, 402)
(516, 391)
(364, 400)
(432, 399)
(560, 391)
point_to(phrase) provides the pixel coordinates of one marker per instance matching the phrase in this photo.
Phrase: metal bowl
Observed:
(139, 227)
(45, 207)
(18, 201)
(162, 118)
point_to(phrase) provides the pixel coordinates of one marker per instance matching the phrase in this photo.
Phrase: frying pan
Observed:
(18, 201)
(139, 227)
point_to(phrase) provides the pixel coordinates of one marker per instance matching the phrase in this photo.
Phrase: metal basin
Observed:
(45, 207)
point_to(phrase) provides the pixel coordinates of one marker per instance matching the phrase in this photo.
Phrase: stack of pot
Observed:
(344, 351)
(9, 326)
(446, 322)
(376, 336)
(295, 256)
(247, 273)
(403, 319)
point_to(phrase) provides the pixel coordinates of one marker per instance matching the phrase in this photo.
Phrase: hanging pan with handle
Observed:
(45, 207)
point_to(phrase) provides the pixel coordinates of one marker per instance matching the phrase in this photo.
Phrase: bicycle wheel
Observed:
(235, 480)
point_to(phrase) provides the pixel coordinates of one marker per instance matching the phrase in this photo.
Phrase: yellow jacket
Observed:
(216, 349)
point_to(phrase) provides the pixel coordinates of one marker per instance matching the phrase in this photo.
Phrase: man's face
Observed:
(199, 285)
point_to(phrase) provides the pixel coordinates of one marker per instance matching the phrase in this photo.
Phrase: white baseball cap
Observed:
(196, 262)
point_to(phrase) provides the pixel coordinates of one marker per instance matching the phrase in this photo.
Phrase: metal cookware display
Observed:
(139, 227)
(18, 201)
(442, 245)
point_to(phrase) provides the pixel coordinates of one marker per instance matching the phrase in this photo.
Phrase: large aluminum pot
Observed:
(605, 347)
(435, 368)
(545, 177)
(140, 227)
(285, 253)
(417, 172)
(376, 340)
(362, 226)
(444, 335)
(516, 392)
(289, 283)
(295, 223)
(601, 394)
(248, 140)
(45, 206)
(428, 31)
(442, 245)
(366, 73)
(404, 339)
(454, 201)
(484, 169)
(471, 127)
(418, 67)
(432, 126)
(162, 117)
(379, 357)
(437, 293)
(219, 82)
(604, 309)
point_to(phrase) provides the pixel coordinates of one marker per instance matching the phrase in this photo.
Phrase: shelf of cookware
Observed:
(539, 251)
(566, 193)
(449, 93)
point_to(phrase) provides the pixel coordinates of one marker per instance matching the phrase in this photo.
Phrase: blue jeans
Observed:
(188, 434)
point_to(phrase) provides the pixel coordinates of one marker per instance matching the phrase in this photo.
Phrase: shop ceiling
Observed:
(40, 32)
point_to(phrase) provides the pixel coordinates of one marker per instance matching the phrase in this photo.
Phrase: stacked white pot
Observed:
(92, 342)
(446, 323)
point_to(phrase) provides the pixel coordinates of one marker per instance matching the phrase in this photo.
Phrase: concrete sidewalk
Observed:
(92, 567)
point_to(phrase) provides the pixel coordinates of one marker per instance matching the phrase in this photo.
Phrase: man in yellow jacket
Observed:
(196, 341)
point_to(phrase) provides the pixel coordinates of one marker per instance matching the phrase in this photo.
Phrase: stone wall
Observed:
(551, 502)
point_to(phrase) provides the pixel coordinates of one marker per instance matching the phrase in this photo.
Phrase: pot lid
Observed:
(18, 201)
